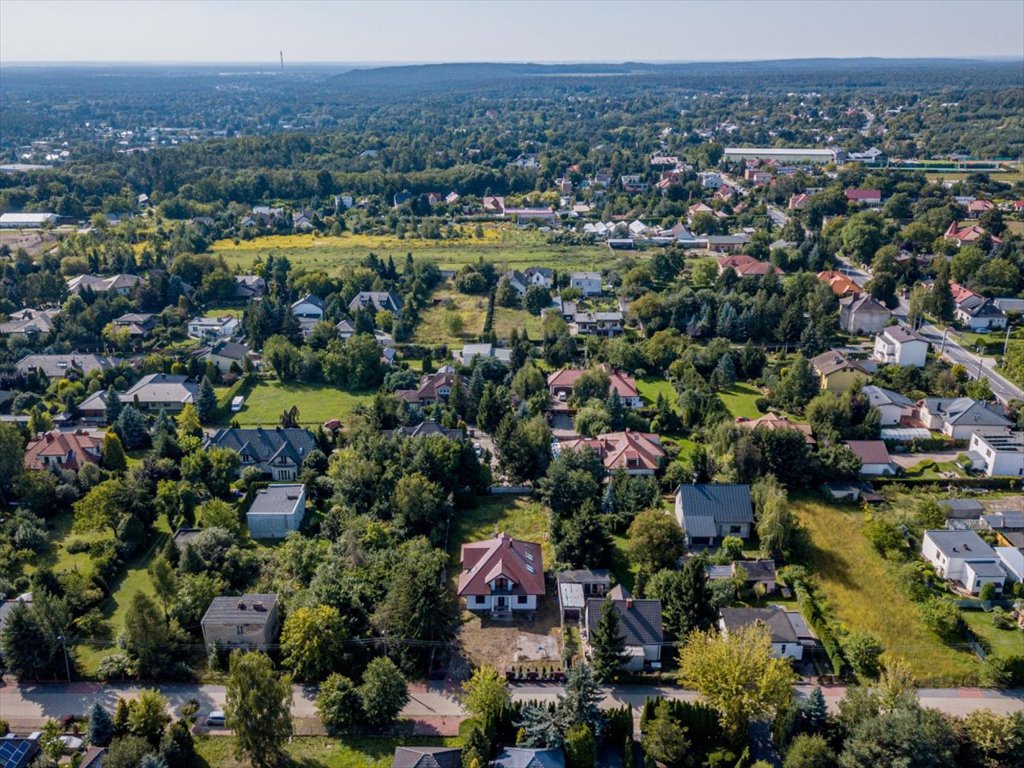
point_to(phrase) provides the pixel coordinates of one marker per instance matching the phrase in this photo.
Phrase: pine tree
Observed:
(580, 703)
(101, 727)
(539, 728)
(131, 428)
(113, 403)
(616, 410)
(121, 718)
(476, 391)
(608, 643)
(114, 459)
(477, 748)
(206, 403)
(815, 714)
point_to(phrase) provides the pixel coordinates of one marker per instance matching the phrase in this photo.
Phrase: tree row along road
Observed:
(30, 705)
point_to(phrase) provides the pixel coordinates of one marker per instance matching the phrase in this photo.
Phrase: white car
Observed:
(216, 719)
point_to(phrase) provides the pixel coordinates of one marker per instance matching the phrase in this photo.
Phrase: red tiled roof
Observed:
(757, 268)
(618, 449)
(518, 561)
(773, 422)
(839, 283)
(968, 234)
(739, 260)
(620, 382)
(83, 449)
(863, 194)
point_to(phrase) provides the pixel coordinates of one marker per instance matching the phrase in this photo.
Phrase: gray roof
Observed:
(7, 606)
(774, 618)
(986, 568)
(961, 544)
(522, 757)
(184, 536)
(584, 576)
(879, 396)
(162, 388)
(276, 499)
(424, 429)
(376, 299)
(757, 570)
(968, 411)
(309, 298)
(715, 503)
(640, 619)
(250, 608)
(427, 757)
(901, 333)
(962, 509)
(261, 445)
(229, 349)
(58, 366)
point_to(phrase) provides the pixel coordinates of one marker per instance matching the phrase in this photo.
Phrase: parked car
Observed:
(216, 719)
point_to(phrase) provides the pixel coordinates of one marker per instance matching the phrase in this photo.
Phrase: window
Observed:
(735, 528)
(480, 599)
(521, 599)
(239, 630)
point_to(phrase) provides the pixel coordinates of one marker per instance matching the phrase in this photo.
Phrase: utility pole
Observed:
(1006, 341)
(942, 348)
(67, 664)
(282, 61)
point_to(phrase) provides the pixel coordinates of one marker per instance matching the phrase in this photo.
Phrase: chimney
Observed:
(241, 605)
(629, 603)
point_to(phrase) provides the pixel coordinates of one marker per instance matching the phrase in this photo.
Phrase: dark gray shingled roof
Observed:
(427, 757)
(226, 610)
(640, 621)
(774, 618)
(265, 444)
(722, 503)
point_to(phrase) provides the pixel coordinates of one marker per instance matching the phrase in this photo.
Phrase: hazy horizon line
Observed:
(274, 62)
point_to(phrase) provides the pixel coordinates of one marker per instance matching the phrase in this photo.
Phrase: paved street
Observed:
(28, 706)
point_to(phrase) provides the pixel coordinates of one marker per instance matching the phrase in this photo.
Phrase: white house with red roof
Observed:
(501, 575)
(864, 196)
(799, 202)
(968, 235)
(638, 453)
(63, 450)
(562, 383)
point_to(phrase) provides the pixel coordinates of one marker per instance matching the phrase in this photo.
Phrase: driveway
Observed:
(909, 460)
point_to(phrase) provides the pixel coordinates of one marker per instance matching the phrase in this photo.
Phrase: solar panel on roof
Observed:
(13, 752)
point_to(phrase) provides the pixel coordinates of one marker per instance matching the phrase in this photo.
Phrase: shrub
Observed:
(942, 617)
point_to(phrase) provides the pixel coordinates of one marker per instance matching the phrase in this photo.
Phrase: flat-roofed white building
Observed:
(997, 454)
(964, 558)
(26, 220)
(787, 154)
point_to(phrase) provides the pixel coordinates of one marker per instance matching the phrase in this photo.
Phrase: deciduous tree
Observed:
(258, 708)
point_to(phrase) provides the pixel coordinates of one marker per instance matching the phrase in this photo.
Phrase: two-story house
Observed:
(309, 310)
(562, 383)
(434, 387)
(210, 329)
(588, 283)
(640, 626)
(501, 575)
(898, 345)
(276, 452)
(57, 451)
(710, 512)
(249, 622)
(964, 558)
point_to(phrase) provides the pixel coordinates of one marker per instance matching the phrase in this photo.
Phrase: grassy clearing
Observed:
(135, 578)
(649, 389)
(862, 591)
(741, 401)
(318, 752)
(507, 319)
(1004, 642)
(502, 245)
(518, 516)
(316, 403)
(433, 327)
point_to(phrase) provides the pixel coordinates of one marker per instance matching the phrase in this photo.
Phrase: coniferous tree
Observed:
(101, 726)
(131, 428)
(113, 403)
(540, 727)
(206, 403)
(608, 643)
(580, 703)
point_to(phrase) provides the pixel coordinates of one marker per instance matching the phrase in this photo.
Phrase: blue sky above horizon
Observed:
(400, 31)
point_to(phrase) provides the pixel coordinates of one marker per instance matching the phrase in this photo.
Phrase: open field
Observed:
(650, 388)
(316, 403)
(433, 325)
(863, 593)
(501, 245)
(741, 401)
(318, 752)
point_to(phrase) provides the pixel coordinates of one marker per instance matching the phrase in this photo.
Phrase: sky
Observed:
(499, 30)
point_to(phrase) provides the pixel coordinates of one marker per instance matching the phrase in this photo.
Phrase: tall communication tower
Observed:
(282, 62)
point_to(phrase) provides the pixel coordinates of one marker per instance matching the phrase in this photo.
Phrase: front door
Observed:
(501, 605)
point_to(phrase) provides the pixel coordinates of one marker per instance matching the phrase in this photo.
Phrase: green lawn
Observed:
(316, 403)
(518, 516)
(433, 327)
(135, 578)
(502, 245)
(318, 752)
(650, 388)
(864, 595)
(1004, 642)
(740, 400)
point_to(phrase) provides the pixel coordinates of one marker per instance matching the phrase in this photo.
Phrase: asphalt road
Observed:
(26, 705)
(976, 365)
